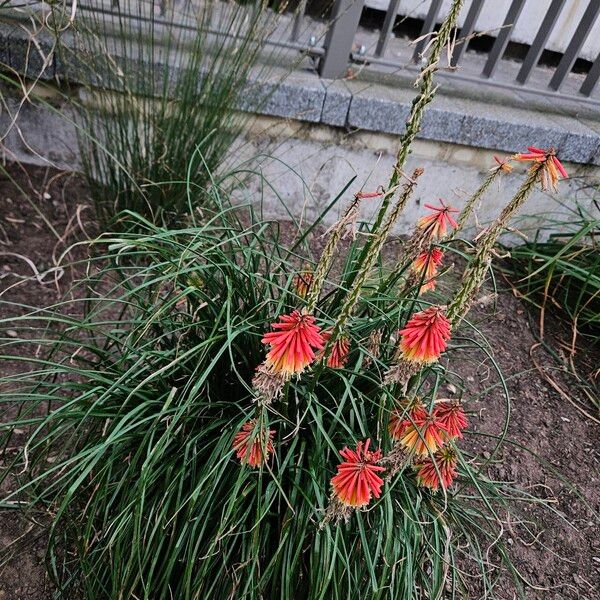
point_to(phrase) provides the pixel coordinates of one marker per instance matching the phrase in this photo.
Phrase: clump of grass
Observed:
(559, 274)
(164, 81)
(130, 412)
(562, 272)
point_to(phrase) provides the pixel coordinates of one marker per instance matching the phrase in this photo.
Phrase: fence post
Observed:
(345, 16)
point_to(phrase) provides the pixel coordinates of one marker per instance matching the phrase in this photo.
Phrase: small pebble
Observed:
(12, 333)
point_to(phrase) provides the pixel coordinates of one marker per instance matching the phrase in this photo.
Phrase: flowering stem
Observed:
(472, 201)
(425, 96)
(413, 125)
(328, 254)
(374, 250)
(474, 274)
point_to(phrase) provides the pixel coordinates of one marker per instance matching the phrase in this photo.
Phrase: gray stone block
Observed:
(377, 114)
(4, 52)
(40, 135)
(442, 125)
(30, 55)
(581, 148)
(336, 104)
(296, 97)
(508, 136)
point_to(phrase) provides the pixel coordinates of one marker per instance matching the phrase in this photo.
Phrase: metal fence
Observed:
(340, 43)
(339, 48)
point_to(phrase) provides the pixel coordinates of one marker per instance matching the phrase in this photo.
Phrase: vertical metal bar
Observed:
(298, 21)
(466, 30)
(539, 42)
(386, 30)
(572, 51)
(503, 37)
(592, 78)
(340, 37)
(428, 25)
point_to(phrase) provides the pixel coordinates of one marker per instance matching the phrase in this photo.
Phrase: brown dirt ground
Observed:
(558, 552)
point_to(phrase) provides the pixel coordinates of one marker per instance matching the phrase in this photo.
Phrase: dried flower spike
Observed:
(268, 384)
(427, 474)
(293, 344)
(435, 225)
(357, 477)
(425, 335)
(373, 347)
(253, 445)
(503, 164)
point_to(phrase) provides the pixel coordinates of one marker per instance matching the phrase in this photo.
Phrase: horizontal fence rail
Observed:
(344, 25)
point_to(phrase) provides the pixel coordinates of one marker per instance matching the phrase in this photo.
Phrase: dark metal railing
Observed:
(333, 45)
(345, 17)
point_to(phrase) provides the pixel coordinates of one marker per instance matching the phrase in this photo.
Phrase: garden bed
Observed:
(552, 450)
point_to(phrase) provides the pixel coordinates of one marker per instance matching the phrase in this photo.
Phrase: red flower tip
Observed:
(426, 266)
(435, 224)
(253, 445)
(293, 344)
(399, 418)
(338, 357)
(361, 195)
(302, 282)
(429, 476)
(425, 335)
(357, 479)
(451, 417)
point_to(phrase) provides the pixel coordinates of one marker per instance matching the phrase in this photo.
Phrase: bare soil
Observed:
(553, 448)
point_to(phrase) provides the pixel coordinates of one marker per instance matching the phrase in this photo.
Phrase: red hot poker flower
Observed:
(423, 433)
(338, 357)
(293, 344)
(451, 417)
(357, 477)
(553, 169)
(425, 335)
(435, 224)
(426, 267)
(428, 476)
(253, 446)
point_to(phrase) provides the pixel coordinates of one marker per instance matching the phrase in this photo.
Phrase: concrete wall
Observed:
(307, 164)
(325, 159)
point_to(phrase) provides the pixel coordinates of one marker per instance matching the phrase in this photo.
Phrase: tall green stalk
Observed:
(474, 274)
(426, 94)
(376, 246)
